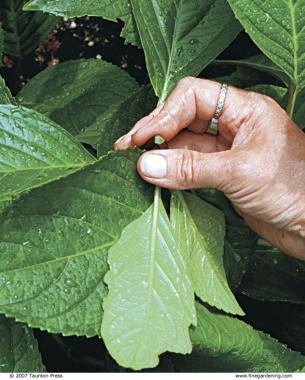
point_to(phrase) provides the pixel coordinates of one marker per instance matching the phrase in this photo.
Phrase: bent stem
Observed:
(292, 97)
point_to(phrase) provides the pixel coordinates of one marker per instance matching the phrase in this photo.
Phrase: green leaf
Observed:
(274, 276)
(300, 110)
(257, 62)
(56, 284)
(34, 151)
(5, 94)
(78, 94)
(182, 37)
(225, 344)
(23, 31)
(118, 120)
(280, 94)
(277, 28)
(199, 230)
(151, 301)
(108, 9)
(18, 348)
(240, 241)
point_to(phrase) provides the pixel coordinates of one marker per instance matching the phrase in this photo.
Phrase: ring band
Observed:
(213, 127)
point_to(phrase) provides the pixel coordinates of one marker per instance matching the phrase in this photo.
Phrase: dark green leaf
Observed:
(18, 348)
(274, 276)
(240, 240)
(277, 28)
(151, 300)
(78, 94)
(182, 37)
(23, 31)
(34, 151)
(225, 344)
(54, 243)
(199, 231)
(108, 9)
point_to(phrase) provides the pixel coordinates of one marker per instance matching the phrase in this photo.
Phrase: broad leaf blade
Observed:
(18, 348)
(108, 9)
(182, 37)
(23, 31)
(240, 240)
(34, 151)
(118, 120)
(78, 94)
(225, 344)
(199, 230)
(150, 303)
(274, 276)
(57, 284)
(277, 28)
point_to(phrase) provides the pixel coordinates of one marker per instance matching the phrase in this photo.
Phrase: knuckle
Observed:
(186, 82)
(186, 174)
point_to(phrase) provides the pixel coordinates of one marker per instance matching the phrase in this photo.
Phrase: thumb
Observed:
(185, 169)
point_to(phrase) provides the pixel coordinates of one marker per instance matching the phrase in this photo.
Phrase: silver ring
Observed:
(213, 127)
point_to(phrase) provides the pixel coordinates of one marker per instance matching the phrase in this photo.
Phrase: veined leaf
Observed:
(118, 120)
(108, 9)
(5, 94)
(78, 94)
(257, 62)
(199, 230)
(56, 284)
(240, 241)
(225, 344)
(151, 301)
(274, 276)
(18, 348)
(182, 37)
(34, 151)
(23, 31)
(277, 28)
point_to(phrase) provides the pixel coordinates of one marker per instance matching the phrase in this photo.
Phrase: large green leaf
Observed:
(225, 344)
(300, 110)
(34, 151)
(277, 28)
(274, 276)
(108, 9)
(79, 94)
(151, 300)
(5, 94)
(240, 241)
(181, 37)
(54, 243)
(118, 120)
(23, 31)
(18, 348)
(199, 230)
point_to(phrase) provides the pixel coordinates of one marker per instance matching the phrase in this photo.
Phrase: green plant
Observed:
(87, 248)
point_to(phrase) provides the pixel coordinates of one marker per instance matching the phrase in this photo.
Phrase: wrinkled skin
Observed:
(257, 159)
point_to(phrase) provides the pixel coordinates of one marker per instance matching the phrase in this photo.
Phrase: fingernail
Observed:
(154, 166)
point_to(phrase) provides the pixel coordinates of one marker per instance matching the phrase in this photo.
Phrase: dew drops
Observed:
(275, 261)
(89, 231)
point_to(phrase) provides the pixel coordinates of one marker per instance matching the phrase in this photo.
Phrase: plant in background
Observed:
(86, 247)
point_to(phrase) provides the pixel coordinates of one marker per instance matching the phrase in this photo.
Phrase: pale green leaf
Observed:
(78, 94)
(23, 31)
(274, 276)
(108, 9)
(54, 243)
(199, 231)
(18, 348)
(34, 151)
(240, 241)
(5, 94)
(225, 344)
(182, 37)
(277, 28)
(118, 120)
(151, 301)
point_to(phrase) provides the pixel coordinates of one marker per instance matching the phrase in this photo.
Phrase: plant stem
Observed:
(292, 96)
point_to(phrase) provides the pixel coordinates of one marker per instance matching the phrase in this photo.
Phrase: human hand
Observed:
(257, 159)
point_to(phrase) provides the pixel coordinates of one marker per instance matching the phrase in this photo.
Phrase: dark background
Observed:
(96, 38)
